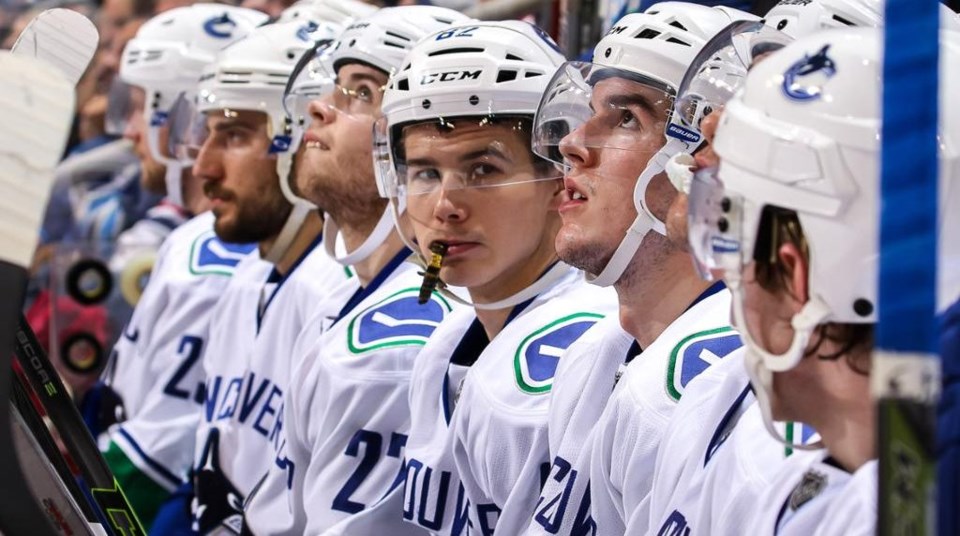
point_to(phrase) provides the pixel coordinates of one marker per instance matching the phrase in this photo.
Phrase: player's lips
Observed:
(456, 248)
(313, 141)
(573, 196)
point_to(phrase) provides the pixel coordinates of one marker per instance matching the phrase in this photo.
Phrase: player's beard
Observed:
(350, 198)
(257, 219)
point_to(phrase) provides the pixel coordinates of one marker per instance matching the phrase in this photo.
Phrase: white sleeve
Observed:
(168, 370)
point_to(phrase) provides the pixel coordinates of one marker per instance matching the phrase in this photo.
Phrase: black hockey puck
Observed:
(82, 353)
(89, 281)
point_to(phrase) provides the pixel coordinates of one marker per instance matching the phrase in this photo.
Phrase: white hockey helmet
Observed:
(251, 75)
(804, 135)
(166, 59)
(481, 69)
(721, 67)
(342, 12)
(381, 41)
(652, 49)
(495, 72)
(799, 18)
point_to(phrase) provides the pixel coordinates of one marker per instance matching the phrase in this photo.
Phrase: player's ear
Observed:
(796, 270)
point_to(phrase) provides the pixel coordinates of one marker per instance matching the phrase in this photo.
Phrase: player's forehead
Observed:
(354, 73)
(616, 92)
(230, 118)
(467, 139)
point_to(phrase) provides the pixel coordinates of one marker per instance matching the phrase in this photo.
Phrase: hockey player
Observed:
(605, 122)
(247, 362)
(795, 235)
(714, 459)
(456, 137)
(155, 371)
(345, 417)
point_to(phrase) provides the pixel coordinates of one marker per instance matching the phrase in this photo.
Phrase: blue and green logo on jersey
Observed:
(536, 359)
(397, 320)
(209, 255)
(695, 353)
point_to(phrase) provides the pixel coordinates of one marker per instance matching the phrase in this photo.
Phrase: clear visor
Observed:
(587, 107)
(217, 131)
(717, 72)
(438, 169)
(120, 107)
(188, 130)
(715, 225)
(310, 80)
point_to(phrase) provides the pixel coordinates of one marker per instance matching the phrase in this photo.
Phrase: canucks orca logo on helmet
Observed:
(804, 80)
(221, 27)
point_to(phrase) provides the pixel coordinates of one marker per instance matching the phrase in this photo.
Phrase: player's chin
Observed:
(465, 274)
(224, 224)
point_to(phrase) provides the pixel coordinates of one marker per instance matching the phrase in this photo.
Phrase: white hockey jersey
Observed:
(433, 499)
(501, 446)
(623, 445)
(586, 377)
(346, 418)
(248, 367)
(716, 459)
(155, 365)
(815, 496)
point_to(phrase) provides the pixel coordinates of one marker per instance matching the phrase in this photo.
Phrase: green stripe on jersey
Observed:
(143, 493)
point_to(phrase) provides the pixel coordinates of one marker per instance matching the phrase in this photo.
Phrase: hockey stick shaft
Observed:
(81, 445)
(21, 400)
(905, 373)
(19, 510)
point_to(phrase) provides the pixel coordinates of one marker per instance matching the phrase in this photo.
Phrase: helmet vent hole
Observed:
(403, 84)
(398, 36)
(395, 45)
(678, 42)
(532, 74)
(843, 21)
(676, 24)
(647, 34)
(462, 50)
(782, 24)
(506, 76)
(862, 307)
(514, 57)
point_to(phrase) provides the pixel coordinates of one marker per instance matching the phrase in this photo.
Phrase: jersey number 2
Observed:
(371, 455)
(191, 348)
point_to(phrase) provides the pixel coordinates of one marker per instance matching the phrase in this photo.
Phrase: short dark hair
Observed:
(779, 226)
